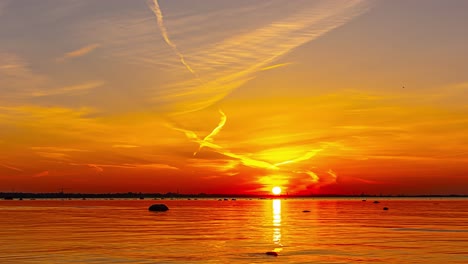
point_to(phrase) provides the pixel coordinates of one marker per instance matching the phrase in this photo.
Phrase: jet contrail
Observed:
(11, 167)
(304, 157)
(159, 17)
(251, 162)
(209, 137)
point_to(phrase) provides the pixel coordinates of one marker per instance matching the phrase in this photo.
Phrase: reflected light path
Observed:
(277, 225)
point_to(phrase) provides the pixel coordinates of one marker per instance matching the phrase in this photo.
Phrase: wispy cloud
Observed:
(246, 160)
(69, 90)
(79, 52)
(227, 64)
(332, 173)
(154, 5)
(100, 167)
(279, 65)
(58, 149)
(41, 174)
(17, 80)
(125, 146)
(11, 167)
(54, 155)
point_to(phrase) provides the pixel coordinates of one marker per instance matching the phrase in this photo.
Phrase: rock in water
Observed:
(158, 208)
(272, 253)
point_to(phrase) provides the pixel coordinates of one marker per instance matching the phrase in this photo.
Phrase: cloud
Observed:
(279, 65)
(54, 155)
(332, 173)
(41, 174)
(79, 52)
(244, 159)
(96, 167)
(125, 146)
(226, 64)
(70, 90)
(57, 149)
(17, 80)
(100, 167)
(10, 167)
(154, 5)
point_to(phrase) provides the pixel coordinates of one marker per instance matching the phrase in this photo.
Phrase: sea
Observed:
(316, 230)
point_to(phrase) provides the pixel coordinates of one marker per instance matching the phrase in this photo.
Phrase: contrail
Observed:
(154, 5)
(11, 167)
(208, 142)
(304, 157)
(275, 66)
(231, 62)
(209, 137)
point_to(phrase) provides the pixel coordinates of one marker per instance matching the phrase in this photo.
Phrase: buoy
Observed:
(272, 253)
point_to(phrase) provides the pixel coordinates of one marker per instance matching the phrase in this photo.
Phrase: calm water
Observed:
(211, 231)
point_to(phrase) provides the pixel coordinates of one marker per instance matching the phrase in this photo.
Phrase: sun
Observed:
(276, 190)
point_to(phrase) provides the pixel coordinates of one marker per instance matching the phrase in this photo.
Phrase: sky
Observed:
(214, 96)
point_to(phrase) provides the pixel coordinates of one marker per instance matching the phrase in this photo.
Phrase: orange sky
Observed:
(342, 97)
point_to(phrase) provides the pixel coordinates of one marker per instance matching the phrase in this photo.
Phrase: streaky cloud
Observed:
(69, 90)
(154, 5)
(272, 67)
(79, 52)
(227, 64)
(11, 167)
(242, 158)
(209, 137)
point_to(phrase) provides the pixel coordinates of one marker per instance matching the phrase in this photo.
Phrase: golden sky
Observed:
(324, 96)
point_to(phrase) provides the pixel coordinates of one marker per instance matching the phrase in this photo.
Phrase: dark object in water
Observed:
(306, 211)
(272, 253)
(142, 198)
(385, 208)
(376, 202)
(158, 208)
(364, 200)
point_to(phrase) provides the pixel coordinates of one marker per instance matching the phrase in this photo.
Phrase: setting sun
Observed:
(276, 190)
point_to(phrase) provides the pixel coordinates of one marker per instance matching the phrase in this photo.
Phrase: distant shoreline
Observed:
(129, 195)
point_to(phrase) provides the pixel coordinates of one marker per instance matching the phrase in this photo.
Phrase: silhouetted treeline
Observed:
(139, 195)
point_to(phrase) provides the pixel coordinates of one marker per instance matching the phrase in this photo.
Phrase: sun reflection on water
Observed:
(277, 224)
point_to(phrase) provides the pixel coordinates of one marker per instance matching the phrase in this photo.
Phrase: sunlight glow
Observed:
(276, 190)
